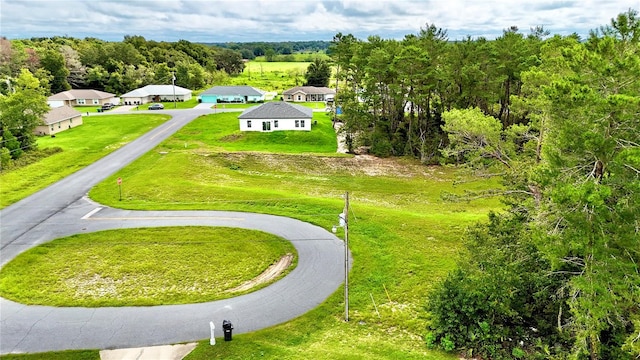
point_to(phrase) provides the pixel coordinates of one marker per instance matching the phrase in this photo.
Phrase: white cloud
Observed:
(277, 20)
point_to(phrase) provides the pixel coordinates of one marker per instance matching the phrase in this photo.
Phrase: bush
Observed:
(501, 302)
(381, 146)
(5, 159)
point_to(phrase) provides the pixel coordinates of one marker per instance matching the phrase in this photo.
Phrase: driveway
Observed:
(63, 209)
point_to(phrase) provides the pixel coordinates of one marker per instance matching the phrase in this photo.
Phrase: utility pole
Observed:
(173, 83)
(345, 217)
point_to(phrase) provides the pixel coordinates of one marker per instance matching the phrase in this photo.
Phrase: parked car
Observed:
(107, 106)
(156, 107)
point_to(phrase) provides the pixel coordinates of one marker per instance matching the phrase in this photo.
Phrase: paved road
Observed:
(63, 209)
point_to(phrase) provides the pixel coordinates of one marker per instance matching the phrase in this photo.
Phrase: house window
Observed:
(96, 102)
(80, 102)
(248, 123)
(52, 128)
(59, 125)
(70, 121)
(299, 97)
(297, 123)
(301, 123)
(275, 123)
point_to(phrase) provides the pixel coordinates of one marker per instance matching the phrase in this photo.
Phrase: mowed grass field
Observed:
(272, 76)
(403, 236)
(81, 146)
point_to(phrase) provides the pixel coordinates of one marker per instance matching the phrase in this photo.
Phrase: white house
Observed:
(275, 116)
(155, 93)
(81, 97)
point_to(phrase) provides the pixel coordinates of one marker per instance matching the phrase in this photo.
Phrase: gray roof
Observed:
(81, 94)
(242, 90)
(309, 90)
(150, 90)
(277, 110)
(61, 113)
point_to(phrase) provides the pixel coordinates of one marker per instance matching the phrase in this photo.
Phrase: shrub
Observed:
(501, 302)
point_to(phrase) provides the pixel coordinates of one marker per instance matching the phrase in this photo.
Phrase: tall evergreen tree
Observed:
(318, 73)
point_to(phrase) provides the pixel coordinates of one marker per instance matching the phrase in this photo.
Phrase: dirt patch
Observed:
(368, 165)
(95, 286)
(272, 272)
(231, 138)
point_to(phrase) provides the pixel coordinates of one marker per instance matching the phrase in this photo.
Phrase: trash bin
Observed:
(99, 109)
(227, 327)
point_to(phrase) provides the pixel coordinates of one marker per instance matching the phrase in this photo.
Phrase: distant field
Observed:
(272, 76)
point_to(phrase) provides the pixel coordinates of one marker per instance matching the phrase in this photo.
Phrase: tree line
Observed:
(556, 275)
(251, 50)
(32, 69)
(63, 63)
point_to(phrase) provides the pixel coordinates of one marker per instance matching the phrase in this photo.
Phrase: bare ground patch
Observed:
(272, 272)
(325, 165)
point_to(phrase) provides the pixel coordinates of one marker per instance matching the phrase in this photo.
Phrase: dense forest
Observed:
(63, 63)
(556, 275)
(557, 118)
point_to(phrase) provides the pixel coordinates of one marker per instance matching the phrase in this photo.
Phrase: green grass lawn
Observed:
(142, 267)
(81, 146)
(403, 236)
(170, 105)
(221, 132)
(312, 105)
(88, 109)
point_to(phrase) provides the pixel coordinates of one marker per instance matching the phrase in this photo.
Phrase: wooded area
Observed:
(62, 63)
(556, 275)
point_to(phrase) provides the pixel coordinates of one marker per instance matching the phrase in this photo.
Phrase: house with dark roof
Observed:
(59, 119)
(81, 97)
(156, 93)
(232, 94)
(308, 93)
(275, 116)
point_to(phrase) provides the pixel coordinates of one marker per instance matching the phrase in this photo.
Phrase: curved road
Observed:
(62, 209)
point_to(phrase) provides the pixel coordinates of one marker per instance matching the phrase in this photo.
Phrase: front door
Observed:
(266, 126)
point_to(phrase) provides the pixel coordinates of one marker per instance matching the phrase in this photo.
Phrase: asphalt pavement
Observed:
(63, 209)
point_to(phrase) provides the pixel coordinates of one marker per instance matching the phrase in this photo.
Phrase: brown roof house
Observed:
(81, 97)
(59, 119)
(308, 93)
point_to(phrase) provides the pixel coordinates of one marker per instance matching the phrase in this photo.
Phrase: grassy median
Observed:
(142, 267)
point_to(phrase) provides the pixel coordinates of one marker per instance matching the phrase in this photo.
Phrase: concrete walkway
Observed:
(165, 352)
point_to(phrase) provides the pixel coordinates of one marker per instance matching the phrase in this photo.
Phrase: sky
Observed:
(219, 21)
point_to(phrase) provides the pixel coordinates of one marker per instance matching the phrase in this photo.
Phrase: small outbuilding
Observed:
(275, 116)
(59, 119)
(156, 93)
(232, 94)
